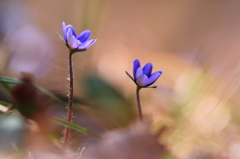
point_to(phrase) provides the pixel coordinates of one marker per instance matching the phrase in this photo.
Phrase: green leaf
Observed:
(6, 104)
(9, 80)
(4, 84)
(4, 81)
(5, 88)
(108, 103)
(74, 126)
(54, 97)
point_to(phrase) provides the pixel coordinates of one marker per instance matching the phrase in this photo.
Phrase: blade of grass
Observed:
(9, 80)
(4, 81)
(5, 88)
(74, 127)
(6, 104)
(54, 97)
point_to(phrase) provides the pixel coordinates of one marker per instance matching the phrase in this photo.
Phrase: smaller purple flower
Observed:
(143, 77)
(74, 42)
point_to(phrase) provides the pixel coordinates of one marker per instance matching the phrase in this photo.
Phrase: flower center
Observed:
(79, 42)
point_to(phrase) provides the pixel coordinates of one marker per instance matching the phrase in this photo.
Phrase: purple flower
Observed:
(143, 77)
(80, 42)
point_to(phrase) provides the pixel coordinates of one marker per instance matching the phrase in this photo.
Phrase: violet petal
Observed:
(64, 31)
(154, 77)
(84, 36)
(142, 80)
(72, 42)
(136, 65)
(139, 73)
(70, 27)
(86, 44)
(147, 69)
(69, 34)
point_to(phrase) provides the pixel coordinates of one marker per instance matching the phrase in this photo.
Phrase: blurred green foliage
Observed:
(108, 103)
(74, 126)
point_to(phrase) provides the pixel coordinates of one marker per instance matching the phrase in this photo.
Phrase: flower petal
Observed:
(139, 73)
(72, 42)
(142, 80)
(86, 44)
(154, 77)
(68, 35)
(64, 31)
(136, 65)
(70, 27)
(84, 36)
(147, 69)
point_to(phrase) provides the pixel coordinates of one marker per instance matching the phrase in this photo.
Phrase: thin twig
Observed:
(81, 152)
(70, 101)
(139, 104)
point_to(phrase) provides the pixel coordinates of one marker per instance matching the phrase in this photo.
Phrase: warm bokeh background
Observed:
(195, 43)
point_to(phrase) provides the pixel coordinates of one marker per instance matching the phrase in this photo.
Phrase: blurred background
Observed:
(195, 44)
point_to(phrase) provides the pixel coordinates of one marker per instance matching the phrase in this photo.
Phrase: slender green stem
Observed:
(139, 103)
(70, 101)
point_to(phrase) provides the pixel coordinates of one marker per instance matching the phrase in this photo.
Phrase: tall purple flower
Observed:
(74, 42)
(143, 77)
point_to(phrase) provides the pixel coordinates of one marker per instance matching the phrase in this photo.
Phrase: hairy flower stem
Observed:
(139, 103)
(70, 100)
